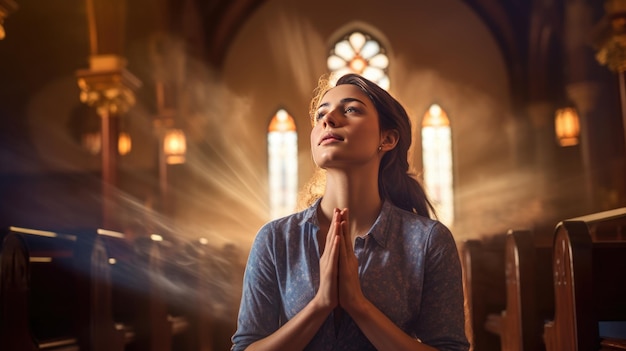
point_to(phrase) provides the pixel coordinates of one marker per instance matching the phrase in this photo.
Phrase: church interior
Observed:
(150, 129)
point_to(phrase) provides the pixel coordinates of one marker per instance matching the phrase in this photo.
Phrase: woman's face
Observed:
(346, 129)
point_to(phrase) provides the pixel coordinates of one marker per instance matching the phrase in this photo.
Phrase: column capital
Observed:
(111, 90)
(6, 8)
(609, 36)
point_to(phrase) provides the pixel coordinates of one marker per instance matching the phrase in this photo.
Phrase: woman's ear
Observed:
(389, 139)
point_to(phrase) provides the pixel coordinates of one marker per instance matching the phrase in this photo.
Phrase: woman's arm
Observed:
(299, 330)
(380, 330)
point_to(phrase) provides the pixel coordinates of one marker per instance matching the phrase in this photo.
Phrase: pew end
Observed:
(529, 292)
(483, 275)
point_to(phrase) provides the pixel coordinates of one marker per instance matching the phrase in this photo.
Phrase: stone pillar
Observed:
(581, 87)
(585, 96)
(541, 114)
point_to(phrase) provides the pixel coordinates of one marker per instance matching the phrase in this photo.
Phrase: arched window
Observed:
(282, 147)
(437, 158)
(358, 52)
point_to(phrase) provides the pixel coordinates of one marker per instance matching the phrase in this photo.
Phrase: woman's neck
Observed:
(355, 191)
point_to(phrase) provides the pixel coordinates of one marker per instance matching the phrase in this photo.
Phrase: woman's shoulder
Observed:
(410, 218)
(295, 218)
(411, 222)
(285, 225)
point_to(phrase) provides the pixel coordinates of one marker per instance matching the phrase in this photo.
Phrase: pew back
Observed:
(60, 283)
(589, 280)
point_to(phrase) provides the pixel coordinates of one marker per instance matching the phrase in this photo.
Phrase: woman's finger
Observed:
(345, 226)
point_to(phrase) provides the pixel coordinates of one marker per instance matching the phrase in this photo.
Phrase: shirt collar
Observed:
(379, 230)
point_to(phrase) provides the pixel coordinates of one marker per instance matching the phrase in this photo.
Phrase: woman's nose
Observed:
(330, 119)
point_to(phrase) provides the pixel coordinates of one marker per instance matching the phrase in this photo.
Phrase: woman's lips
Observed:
(330, 138)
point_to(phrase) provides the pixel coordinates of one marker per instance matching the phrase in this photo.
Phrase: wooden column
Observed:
(110, 91)
(108, 87)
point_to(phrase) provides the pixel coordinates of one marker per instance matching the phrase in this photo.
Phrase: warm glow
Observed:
(358, 64)
(33, 232)
(435, 117)
(174, 146)
(567, 126)
(124, 144)
(110, 233)
(92, 142)
(282, 122)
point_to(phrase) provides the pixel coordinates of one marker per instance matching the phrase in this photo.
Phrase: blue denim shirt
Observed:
(409, 268)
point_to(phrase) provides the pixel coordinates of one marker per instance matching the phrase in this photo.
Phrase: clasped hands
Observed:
(339, 268)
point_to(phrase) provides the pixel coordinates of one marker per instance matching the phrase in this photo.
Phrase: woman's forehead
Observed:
(340, 92)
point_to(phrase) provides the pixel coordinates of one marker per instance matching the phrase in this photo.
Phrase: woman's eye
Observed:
(351, 109)
(319, 116)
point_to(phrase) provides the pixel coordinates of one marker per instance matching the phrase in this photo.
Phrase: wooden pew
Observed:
(589, 282)
(484, 281)
(188, 267)
(176, 309)
(55, 293)
(142, 290)
(529, 292)
(94, 290)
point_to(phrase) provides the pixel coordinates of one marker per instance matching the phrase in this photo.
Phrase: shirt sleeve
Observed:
(259, 311)
(442, 314)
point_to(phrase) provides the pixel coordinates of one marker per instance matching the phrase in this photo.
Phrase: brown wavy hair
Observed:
(395, 181)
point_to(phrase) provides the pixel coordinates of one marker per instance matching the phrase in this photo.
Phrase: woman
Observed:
(364, 267)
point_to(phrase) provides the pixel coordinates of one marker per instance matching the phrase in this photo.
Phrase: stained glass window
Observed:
(437, 158)
(360, 53)
(282, 144)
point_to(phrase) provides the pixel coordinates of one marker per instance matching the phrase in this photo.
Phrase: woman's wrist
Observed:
(357, 307)
(322, 304)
